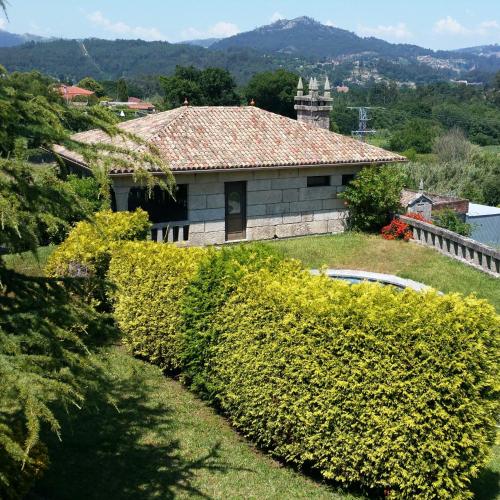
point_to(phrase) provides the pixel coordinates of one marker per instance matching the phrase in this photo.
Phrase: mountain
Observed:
(302, 45)
(12, 39)
(306, 37)
(483, 50)
(205, 42)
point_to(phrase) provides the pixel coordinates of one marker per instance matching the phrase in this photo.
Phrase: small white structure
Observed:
(485, 222)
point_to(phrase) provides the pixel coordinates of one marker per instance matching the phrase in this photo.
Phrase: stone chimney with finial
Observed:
(314, 108)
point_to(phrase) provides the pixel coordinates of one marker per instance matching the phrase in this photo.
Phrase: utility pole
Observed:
(363, 129)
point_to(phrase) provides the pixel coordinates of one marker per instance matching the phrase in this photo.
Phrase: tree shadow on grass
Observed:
(485, 487)
(122, 450)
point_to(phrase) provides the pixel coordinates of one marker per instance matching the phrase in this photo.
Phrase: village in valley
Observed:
(259, 259)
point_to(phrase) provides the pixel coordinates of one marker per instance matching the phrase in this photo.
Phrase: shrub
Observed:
(396, 230)
(86, 251)
(417, 134)
(150, 279)
(373, 197)
(449, 219)
(393, 390)
(216, 279)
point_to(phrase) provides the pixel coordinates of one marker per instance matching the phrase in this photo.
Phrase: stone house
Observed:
(243, 173)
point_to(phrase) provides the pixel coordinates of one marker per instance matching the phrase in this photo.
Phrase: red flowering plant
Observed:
(397, 230)
(416, 216)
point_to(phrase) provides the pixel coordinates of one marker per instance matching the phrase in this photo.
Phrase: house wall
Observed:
(279, 203)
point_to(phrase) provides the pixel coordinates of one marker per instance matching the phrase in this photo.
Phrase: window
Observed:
(161, 206)
(318, 180)
(347, 178)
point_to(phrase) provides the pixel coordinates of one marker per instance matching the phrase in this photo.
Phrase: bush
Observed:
(89, 192)
(87, 250)
(417, 134)
(449, 219)
(396, 230)
(369, 385)
(149, 281)
(216, 279)
(373, 197)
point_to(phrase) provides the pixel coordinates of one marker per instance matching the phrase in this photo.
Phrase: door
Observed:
(236, 210)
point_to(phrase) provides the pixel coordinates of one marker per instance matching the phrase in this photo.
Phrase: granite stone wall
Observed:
(279, 203)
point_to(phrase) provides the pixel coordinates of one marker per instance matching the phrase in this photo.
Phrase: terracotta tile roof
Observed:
(211, 137)
(71, 91)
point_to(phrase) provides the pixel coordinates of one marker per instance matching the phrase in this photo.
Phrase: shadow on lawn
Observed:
(114, 452)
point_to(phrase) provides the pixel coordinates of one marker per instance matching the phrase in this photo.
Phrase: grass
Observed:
(407, 260)
(160, 441)
(29, 263)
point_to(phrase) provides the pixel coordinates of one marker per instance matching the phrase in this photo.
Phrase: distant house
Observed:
(71, 92)
(485, 223)
(243, 173)
(133, 103)
(426, 203)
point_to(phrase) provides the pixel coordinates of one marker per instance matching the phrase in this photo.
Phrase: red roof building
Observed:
(69, 92)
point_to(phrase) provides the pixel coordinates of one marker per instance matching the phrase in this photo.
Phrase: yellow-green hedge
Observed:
(368, 385)
(149, 280)
(86, 251)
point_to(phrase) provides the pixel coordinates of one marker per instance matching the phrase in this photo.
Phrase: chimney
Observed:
(314, 108)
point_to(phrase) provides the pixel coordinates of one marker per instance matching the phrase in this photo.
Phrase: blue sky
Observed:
(438, 24)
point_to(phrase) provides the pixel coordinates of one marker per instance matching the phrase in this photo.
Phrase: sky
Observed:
(436, 24)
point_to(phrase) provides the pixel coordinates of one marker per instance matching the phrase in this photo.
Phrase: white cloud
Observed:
(399, 31)
(123, 29)
(450, 26)
(3, 23)
(276, 17)
(330, 23)
(222, 29)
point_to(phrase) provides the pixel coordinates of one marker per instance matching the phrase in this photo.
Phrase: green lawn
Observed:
(28, 262)
(408, 260)
(160, 441)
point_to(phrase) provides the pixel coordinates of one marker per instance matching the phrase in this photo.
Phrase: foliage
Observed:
(150, 280)
(450, 220)
(88, 191)
(92, 85)
(363, 383)
(208, 87)
(373, 196)
(216, 278)
(396, 230)
(87, 249)
(452, 146)
(36, 207)
(46, 331)
(418, 134)
(274, 91)
(477, 178)
(122, 90)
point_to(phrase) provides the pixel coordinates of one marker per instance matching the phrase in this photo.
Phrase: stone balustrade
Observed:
(170, 232)
(464, 249)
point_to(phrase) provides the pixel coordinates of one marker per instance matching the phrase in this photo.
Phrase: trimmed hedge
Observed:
(216, 279)
(87, 250)
(149, 280)
(369, 385)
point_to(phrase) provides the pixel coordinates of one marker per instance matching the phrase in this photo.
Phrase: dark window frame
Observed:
(318, 180)
(347, 179)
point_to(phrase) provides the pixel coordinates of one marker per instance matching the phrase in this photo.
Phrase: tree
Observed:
(452, 146)
(274, 91)
(122, 90)
(373, 197)
(208, 87)
(92, 85)
(418, 134)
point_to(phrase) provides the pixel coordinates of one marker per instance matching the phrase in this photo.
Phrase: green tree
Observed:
(418, 134)
(122, 90)
(208, 87)
(373, 197)
(274, 91)
(92, 85)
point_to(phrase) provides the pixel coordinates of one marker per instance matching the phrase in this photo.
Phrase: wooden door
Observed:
(236, 210)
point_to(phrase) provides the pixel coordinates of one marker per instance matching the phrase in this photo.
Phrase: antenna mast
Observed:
(363, 129)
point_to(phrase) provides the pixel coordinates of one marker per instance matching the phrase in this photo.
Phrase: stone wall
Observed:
(279, 203)
(453, 245)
